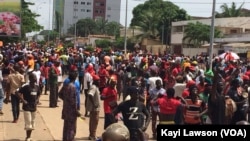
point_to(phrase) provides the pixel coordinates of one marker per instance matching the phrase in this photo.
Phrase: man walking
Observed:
(29, 95)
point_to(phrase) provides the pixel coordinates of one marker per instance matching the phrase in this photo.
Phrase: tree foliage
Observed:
(232, 11)
(29, 23)
(197, 34)
(155, 17)
(85, 27)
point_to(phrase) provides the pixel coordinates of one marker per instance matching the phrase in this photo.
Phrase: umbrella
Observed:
(229, 56)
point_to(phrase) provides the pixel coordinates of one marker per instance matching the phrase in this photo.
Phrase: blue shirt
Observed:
(77, 85)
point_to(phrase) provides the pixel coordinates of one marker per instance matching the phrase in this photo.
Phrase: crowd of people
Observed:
(143, 87)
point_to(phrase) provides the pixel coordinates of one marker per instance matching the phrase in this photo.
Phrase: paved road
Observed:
(49, 124)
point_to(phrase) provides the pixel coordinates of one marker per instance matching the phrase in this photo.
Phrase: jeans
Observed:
(15, 104)
(1, 98)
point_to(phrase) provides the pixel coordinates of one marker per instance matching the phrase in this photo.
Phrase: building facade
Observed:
(75, 10)
(236, 29)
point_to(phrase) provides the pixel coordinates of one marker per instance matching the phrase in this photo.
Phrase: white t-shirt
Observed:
(87, 78)
(152, 81)
(38, 75)
(60, 78)
(179, 88)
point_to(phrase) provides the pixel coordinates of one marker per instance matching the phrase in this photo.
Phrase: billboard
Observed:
(10, 18)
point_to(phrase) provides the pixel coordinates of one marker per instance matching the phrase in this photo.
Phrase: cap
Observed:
(195, 62)
(245, 77)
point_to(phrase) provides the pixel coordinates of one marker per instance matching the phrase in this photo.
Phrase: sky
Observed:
(202, 8)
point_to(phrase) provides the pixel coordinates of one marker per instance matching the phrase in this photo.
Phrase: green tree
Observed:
(103, 43)
(232, 11)
(52, 35)
(84, 27)
(197, 34)
(29, 23)
(113, 29)
(119, 44)
(101, 26)
(162, 14)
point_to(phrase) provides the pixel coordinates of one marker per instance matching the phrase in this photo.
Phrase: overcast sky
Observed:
(193, 7)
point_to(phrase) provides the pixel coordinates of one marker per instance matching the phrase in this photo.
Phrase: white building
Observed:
(75, 10)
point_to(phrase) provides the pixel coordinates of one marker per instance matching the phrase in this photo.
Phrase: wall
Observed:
(195, 51)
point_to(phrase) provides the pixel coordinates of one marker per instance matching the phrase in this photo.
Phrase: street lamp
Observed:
(212, 36)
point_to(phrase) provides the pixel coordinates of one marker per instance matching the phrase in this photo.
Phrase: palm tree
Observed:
(101, 25)
(232, 11)
(197, 34)
(148, 25)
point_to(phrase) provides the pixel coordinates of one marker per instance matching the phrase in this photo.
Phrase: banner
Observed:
(10, 18)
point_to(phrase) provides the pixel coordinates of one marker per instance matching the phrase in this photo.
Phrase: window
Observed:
(97, 4)
(102, 4)
(75, 9)
(96, 11)
(109, 8)
(75, 17)
(108, 16)
(247, 30)
(232, 31)
(88, 10)
(75, 2)
(178, 29)
(83, 3)
(88, 3)
(82, 10)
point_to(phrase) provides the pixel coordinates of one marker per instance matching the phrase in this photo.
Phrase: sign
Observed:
(10, 18)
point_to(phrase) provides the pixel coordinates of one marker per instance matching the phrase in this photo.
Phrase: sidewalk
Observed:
(49, 125)
(15, 131)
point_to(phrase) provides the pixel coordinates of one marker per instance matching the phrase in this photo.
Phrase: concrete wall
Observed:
(195, 51)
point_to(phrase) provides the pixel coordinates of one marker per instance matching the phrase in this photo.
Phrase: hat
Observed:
(245, 77)
(73, 68)
(209, 73)
(185, 93)
(194, 62)
(190, 83)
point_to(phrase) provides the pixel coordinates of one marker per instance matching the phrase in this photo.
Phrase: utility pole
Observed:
(49, 25)
(74, 17)
(212, 36)
(125, 36)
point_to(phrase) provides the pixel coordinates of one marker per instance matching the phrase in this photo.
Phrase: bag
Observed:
(113, 104)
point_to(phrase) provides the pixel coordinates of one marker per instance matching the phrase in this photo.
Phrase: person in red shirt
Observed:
(109, 97)
(103, 74)
(168, 106)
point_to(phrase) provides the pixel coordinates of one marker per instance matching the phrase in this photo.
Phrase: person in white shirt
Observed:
(179, 86)
(152, 79)
(87, 82)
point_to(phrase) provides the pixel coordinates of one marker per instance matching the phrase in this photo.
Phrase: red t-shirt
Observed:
(168, 106)
(107, 92)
